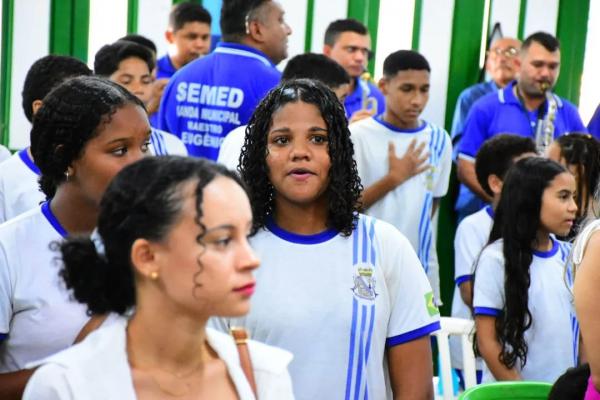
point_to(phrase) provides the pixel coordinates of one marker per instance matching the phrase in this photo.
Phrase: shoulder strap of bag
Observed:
(240, 335)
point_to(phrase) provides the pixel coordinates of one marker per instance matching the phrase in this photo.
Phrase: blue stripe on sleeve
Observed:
(494, 312)
(412, 335)
(463, 278)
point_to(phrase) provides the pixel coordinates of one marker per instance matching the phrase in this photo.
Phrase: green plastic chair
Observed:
(518, 390)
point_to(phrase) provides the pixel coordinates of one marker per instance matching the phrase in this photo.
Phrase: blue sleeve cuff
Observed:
(463, 278)
(3, 336)
(494, 312)
(412, 335)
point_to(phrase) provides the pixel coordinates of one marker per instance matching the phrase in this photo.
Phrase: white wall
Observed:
(394, 30)
(108, 23)
(325, 12)
(153, 18)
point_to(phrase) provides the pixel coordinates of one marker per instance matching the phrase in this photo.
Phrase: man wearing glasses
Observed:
(347, 42)
(501, 66)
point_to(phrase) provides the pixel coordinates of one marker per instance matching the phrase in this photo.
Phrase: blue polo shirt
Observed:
(594, 125)
(211, 96)
(502, 112)
(362, 88)
(164, 67)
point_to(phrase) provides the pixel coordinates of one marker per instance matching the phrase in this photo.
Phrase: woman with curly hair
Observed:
(345, 293)
(522, 304)
(87, 130)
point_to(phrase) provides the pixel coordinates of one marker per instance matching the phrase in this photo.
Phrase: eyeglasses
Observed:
(365, 52)
(508, 52)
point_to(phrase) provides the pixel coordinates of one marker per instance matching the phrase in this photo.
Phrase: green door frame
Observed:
(367, 12)
(8, 7)
(69, 28)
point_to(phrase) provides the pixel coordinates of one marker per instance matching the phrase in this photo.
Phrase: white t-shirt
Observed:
(471, 237)
(166, 144)
(552, 339)
(337, 303)
(4, 153)
(19, 187)
(37, 316)
(409, 206)
(97, 369)
(231, 148)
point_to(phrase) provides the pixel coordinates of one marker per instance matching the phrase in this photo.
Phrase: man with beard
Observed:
(525, 107)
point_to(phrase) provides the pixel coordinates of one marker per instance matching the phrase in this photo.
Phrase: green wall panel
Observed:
(5, 68)
(367, 12)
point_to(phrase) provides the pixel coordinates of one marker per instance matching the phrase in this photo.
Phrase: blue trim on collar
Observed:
(24, 156)
(52, 219)
(297, 238)
(243, 47)
(379, 119)
(549, 253)
(490, 211)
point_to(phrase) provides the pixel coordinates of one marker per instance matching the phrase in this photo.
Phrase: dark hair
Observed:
(185, 12)
(234, 15)
(583, 152)
(144, 200)
(344, 184)
(318, 67)
(108, 58)
(141, 40)
(337, 27)
(516, 222)
(403, 60)
(72, 114)
(549, 42)
(572, 384)
(496, 156)
(47, 73)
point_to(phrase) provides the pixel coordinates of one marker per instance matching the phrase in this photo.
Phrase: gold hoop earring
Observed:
(154, 275)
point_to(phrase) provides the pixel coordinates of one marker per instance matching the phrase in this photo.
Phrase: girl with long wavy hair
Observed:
(524, 317)
(344, 292)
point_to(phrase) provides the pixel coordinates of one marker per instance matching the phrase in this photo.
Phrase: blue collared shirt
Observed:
(211, 96)
(362, 88)
(164, 67)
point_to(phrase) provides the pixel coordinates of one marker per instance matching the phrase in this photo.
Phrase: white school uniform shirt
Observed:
(337, 303)
(553, 337)
(37, 316)
(408, 207)
(98, 369)
(19, 187)
(471, 237)
(231, 148)
(4, 153)
(166, 144)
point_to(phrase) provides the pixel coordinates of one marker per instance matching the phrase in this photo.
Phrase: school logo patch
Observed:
(430, 304)
(364, 283)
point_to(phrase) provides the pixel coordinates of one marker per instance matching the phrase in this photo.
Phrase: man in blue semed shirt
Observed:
(347, 42)
(211, 96)
(525, 107)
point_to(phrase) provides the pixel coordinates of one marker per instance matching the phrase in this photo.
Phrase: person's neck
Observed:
(393, 120)
(175, 60)
(29, 154)
(530, 103)
(75, 214)
(160, 336)
(543, 242)
(302, 220)
(502, 84)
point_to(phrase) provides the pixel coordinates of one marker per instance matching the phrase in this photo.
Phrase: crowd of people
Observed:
(167, 200)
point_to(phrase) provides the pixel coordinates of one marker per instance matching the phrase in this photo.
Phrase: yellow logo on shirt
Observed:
(430, 304)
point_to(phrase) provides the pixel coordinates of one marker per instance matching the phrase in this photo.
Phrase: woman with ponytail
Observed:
(524, 319)
(175, 252)
(85, 132)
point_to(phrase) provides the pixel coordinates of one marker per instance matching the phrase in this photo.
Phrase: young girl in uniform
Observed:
(85, 132)
(524, 319)
(175, 253)
(345, 293)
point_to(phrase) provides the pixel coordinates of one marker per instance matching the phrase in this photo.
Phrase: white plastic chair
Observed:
(464, 329)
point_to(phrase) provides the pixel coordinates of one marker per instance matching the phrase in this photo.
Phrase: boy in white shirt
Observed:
(405, 189)
(493, 160)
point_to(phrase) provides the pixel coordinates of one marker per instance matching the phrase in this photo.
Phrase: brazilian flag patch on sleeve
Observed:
(430, 304)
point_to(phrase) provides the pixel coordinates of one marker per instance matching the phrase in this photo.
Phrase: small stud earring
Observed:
(67, 175)
(154, 275)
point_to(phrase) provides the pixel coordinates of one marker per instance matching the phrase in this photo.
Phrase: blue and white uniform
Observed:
(4, 153)
(37, 315)
(408, 207)
(553, 337)
(471, 237)
(19, 187)
(215, 94)
(337, 303)
(363, 90)
(231, 148)
(165, 144)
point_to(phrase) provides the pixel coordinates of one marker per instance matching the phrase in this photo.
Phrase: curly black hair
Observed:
(516, 222)
(144, 200)
(344, 184)
(47, 73)
(71, 115)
